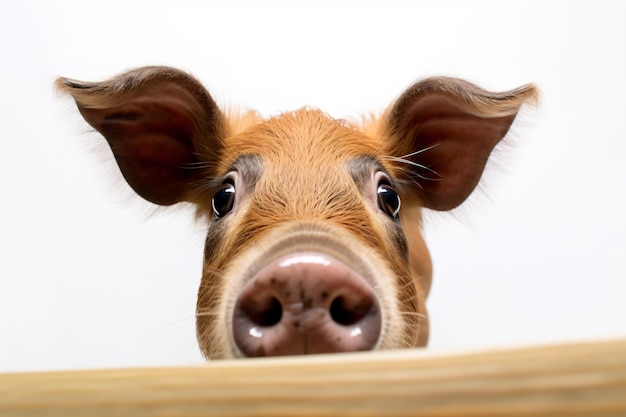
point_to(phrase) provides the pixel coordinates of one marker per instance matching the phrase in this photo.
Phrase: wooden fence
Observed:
(566, 380)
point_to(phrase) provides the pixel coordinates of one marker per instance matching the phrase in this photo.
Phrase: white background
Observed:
(91, 277)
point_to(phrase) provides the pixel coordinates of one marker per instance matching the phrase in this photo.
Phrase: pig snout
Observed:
(306, 303)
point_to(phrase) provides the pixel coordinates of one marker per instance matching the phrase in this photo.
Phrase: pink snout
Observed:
(306, 303)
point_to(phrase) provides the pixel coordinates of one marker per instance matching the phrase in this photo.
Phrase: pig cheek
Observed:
(213, 342)
(420, 264)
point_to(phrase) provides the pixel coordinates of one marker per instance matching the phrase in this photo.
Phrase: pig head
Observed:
(314, 239)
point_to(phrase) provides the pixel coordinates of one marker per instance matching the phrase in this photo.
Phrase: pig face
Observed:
(314, 238)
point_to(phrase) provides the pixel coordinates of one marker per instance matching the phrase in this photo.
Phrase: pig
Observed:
(314, 241)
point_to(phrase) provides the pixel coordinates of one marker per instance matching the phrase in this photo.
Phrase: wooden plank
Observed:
(583, 379)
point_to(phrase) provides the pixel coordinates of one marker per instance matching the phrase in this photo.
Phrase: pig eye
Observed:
(388, 200)
(223, 200)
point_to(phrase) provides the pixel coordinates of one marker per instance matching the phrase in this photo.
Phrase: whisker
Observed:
(408, 155)
(169, 325)
(177, 322)
(413, 313)
(412, 174)
(206, 313)
(208, 271)
(407, 284)
(415, 164)
(410, 181)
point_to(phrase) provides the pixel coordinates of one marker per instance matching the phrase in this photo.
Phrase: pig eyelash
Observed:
(199, 165)
(211, 184)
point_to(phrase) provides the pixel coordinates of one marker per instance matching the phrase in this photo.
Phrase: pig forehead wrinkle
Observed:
(360, 168)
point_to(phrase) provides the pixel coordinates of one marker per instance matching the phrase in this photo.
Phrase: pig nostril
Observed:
(267, 315)
(304, 303)
(345, 314)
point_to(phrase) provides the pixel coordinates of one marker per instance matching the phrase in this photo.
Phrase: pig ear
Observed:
(162, 125)
(445, 129)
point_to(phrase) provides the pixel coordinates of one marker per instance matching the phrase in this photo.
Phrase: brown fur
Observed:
(433, 142)
(320, 147)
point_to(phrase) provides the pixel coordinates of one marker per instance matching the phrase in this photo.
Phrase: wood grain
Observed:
(583, 379)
